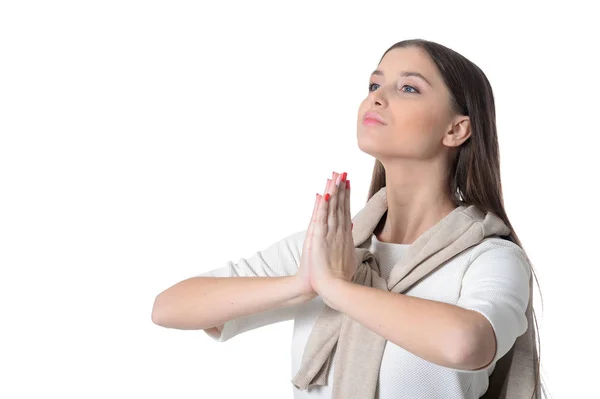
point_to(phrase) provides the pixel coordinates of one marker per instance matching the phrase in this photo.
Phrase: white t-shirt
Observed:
(491, 278)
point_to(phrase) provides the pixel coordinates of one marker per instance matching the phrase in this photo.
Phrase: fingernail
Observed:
(347, 184)
(344, 176)
(338, 180)
(351, 227)
(327, 197)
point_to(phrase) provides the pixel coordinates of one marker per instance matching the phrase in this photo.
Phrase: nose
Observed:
(377, 97)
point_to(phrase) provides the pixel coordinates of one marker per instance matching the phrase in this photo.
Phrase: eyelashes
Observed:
(403, 86)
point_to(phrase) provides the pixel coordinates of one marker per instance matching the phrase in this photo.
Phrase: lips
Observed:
(373, 116)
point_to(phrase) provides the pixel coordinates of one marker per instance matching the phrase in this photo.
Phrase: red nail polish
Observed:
(344, 176)
(347, 184)
(327, 197)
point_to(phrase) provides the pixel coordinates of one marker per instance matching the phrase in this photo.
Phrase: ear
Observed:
(459, 133)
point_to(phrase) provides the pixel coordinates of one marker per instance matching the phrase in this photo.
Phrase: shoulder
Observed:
(496, 242)
(497, 254)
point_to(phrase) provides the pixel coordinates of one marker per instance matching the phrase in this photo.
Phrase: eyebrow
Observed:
(404, 73)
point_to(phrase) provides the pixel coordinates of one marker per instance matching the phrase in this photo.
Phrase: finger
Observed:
(314, 212)
(320, 224)
(333, 214)
(348, 216)
(341, 208)
(327, 187)
(309, 230)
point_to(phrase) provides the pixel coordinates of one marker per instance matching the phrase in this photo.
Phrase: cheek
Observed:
(412, 133)
(413, 129)
(415, 121)
(419, 134)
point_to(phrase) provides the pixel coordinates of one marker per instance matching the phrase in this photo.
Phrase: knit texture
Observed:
(490, 278)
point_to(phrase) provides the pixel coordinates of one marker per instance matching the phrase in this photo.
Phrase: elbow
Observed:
(473, 353)
(464, 356)
(158, 312)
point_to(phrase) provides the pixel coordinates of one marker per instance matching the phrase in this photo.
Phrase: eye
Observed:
(371, 84)
(415, 90)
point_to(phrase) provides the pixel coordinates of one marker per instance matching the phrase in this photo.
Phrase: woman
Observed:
(429, 120)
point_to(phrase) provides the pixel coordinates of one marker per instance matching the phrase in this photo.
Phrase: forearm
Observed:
(435, 331)
(204, 302)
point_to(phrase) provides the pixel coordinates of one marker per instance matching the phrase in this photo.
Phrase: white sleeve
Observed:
(278, 260)
(496, 284)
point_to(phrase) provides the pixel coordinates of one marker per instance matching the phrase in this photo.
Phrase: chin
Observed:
(368, 145)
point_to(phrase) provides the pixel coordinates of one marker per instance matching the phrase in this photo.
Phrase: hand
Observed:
(303, 274)
(329, 236)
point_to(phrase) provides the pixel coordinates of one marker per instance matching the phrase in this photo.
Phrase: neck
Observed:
(412, 210)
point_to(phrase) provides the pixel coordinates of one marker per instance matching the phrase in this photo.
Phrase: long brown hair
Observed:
(474, 178)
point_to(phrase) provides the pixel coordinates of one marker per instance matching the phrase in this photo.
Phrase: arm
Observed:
(469, 336)
(435, 331)
(204, 302)
(188, 303)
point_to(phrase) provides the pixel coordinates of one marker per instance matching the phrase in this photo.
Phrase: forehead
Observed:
(409, 59)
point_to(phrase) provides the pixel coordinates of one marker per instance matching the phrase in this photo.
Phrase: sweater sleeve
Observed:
(497, 285)
(279, 259)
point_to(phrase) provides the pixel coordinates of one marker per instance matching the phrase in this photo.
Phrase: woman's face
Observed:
(416, 113)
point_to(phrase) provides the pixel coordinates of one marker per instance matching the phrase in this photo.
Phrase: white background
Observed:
(145, 142)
